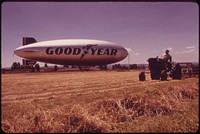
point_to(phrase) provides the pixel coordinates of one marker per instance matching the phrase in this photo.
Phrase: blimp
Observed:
(80, 52)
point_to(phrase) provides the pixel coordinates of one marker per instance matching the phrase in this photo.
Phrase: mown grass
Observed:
(118, 102)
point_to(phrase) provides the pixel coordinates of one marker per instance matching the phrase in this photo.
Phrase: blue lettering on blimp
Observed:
(77, 51)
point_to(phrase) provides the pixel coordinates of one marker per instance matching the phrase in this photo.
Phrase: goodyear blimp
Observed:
(81, 52)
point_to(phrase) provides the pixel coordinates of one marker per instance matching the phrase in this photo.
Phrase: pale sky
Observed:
(146, 29)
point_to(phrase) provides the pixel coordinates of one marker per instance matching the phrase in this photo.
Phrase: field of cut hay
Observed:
(97, 101)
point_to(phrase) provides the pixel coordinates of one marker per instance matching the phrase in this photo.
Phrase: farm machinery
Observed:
(160, 70)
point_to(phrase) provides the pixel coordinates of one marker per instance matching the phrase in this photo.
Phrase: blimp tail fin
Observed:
(28, 40)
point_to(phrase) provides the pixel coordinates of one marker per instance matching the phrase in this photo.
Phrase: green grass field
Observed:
(97, 101)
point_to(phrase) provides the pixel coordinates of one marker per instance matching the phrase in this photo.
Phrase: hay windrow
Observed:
(150, 106)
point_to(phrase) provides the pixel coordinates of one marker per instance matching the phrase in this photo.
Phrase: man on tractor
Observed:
(168, 60)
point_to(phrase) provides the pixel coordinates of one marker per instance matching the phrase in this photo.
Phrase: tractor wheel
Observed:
(142, 76)
(164, 75)
(155, 75)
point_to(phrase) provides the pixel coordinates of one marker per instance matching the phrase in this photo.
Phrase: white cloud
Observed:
(129, 50)
(190, 47)
(169, 48)
(187, 51)
(137, 54)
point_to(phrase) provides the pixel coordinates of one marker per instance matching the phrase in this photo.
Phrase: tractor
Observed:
(160, 69)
